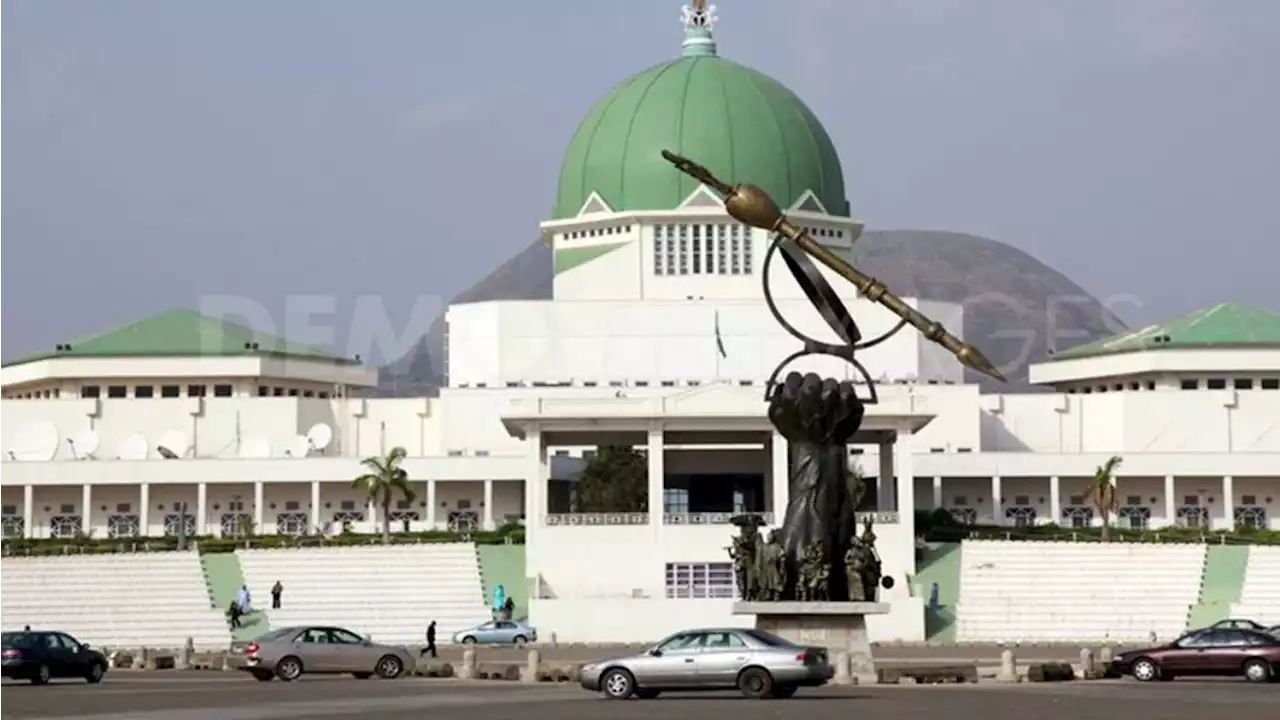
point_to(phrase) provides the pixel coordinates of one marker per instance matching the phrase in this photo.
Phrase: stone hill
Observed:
(1012, 302)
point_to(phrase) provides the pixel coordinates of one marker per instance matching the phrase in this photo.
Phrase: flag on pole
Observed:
(719, 338)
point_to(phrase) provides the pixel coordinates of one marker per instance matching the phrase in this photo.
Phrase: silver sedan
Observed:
(757, 663)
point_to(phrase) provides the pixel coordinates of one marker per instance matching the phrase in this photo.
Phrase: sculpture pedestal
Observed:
(840, 627)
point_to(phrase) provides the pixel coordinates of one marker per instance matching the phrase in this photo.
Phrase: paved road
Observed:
(887, 654)
(181, 696)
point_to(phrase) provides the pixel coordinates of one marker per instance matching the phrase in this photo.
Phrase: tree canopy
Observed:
(616, 479)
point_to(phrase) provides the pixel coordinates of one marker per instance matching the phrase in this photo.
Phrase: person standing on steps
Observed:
(276, 591)
(431, 641)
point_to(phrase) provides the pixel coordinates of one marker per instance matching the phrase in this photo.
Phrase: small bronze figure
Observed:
(744, 552)
(814, 575)
(855, 567)
(774, 567)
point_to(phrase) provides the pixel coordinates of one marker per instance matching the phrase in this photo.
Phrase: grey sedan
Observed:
(497, 632)
(757, 663)
(287, 653)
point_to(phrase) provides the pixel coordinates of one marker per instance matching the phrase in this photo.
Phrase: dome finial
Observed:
(698, 18)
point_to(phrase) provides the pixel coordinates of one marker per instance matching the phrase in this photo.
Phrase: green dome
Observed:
(743, 125)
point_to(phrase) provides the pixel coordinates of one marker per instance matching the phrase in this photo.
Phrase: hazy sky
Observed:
(161, 151)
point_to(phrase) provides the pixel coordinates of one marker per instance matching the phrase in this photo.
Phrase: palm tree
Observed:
(1102, 493)
(384, 479)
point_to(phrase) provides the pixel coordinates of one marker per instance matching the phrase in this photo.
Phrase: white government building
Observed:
(107, 434)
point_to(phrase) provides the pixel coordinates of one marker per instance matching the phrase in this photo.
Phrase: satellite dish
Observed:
(319, 436)
(256, 448)
(299, 447)
(133, 447)
(84, 444)
(37, 442)
(175, 442)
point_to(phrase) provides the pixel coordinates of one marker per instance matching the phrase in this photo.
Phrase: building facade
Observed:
(658, 337)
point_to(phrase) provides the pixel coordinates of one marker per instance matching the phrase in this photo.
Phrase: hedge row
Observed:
(511, 534)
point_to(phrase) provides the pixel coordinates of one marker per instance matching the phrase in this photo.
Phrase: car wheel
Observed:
(289, 668)
(755, 683)
(468, 640)
(94, 676)
(1257, 670)
(782, 692)
(618, 684)
(42, 676)
(1145, 670)
(647, 694)
(389, 667)
(263, 675)
(519, 640)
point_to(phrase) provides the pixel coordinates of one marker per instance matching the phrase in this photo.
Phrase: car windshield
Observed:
(276, 634)
(768, 638)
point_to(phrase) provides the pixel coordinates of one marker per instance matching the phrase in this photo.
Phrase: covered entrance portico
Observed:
(628, 556)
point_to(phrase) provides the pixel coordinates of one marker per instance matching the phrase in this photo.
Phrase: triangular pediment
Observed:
(701, 198)
(809, 202)
(714, 399)
(595, 205)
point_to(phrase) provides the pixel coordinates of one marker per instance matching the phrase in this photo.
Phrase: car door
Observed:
(1226, 653)
(504, 632)
(56, 656)
(670, 664)
(76, 656)
(316, 651)
(350, 651)
(723, 655)
(485, 634)
(1186, 653)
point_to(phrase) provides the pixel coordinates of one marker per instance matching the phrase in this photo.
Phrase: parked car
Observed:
(1223, 652)
(757, 663)
(289, 652)
(40, 656)
(1273, 631)
(1237, 624)
(498, 632)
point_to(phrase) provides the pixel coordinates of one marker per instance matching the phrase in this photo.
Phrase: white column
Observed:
(1228, 503)
(884, 479)
(488, 504)
(373, 515)
(780, 468)
(997, 515)
(1170, 502)
(315, 505)
(202, 510)
(144, 509)
(657, 456)
(430, 515)
(259, 491)
(937, 492)
(1055, 499)
(86, 508)
(536, 478)
(906, 501)
(29, 511)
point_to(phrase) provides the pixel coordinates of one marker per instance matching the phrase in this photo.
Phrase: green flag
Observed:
(719, 338)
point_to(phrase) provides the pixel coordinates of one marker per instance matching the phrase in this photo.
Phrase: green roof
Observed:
(1227, 325)
(182, 332)
(744, 126)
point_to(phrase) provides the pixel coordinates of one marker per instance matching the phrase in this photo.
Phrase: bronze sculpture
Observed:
(816, 416)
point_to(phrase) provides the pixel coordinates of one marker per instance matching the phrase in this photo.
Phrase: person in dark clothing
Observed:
(508, 608)
(276, 591)
(431, 641)
(233, 615)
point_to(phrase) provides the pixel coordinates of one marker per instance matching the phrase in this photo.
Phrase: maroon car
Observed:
(1212, 651)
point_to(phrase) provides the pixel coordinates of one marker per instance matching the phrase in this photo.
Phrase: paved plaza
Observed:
(194, 696)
